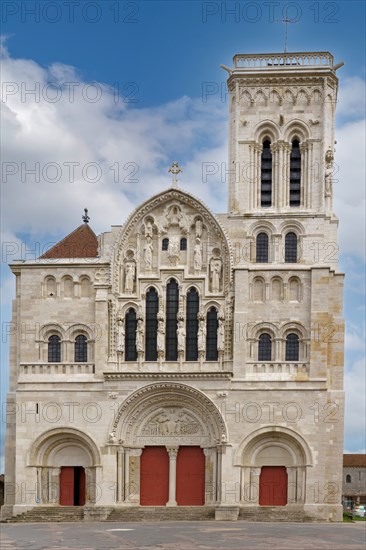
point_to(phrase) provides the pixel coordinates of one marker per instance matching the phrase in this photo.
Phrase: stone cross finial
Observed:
(286, 20)
(175, 169)
(85, 218)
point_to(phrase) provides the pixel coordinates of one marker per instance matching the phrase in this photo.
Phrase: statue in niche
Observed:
(215, 269)
(160, 344)
(198, 228)
(120, 335)
(202, 335)
(148, 229)
(181, 335)
(148, 254)
(197, 255)
(140, 336)
(173, 250)
(221, 336)
(329, 158)
(130, 272)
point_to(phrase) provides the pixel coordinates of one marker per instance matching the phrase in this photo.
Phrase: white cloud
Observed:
(351, 97)
(355, 415)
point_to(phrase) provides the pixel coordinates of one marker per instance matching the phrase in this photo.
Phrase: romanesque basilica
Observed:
(191, 359)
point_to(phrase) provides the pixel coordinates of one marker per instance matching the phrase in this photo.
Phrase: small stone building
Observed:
(187, 358)
(354, 479)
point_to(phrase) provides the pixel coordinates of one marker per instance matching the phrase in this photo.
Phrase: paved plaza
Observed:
(182, 536)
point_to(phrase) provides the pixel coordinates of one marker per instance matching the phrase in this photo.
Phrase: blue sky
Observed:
(148, 66)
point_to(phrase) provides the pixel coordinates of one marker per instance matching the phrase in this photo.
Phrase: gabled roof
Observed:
(81, 243)
(354, 461)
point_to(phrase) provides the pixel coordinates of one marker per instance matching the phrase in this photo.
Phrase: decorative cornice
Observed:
(113, 376)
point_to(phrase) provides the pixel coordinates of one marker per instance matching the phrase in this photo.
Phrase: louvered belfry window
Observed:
(211, 335)
(130, 335)
(295, 174)
(266, 174)
(172, 305)
(192, 325)
(152, 308)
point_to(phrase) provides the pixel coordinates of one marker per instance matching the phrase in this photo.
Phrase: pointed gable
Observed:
(81, 243)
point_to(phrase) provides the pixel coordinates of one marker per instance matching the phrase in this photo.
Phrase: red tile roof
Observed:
(81, 243)
(354, 461)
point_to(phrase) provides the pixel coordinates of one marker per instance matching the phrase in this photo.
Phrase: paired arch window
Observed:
(295, 174)
(266, 174)
(172, 305)
(81, 349)
(192, 325)
(291, 248)
(54, 349)
(152, 307)
(265, 347)
(262, 248)
(292, 347)
(211, 335)
(130, 335)
(165, 244)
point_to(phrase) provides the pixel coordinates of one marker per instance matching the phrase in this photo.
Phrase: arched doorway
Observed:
(66, 461)
(172, 436)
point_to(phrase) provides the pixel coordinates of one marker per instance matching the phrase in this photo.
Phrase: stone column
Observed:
(120, 474)
(172, 452)
(254, 485)
(133, 488)
(210, 492)
(291, 484)
(54, 485)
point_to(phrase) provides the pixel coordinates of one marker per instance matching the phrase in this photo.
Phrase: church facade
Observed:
(193, 359)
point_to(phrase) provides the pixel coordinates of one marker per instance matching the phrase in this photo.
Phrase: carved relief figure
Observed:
(148, 253)
(221, 336)
(130, 277)
(181, 335)
(173, 250)
(198, 255)
(140, 336)
(161, 336)
(198, 228)
(328, 173)
(148, 229)
(120, 335)
(215, 268)
(202, 335)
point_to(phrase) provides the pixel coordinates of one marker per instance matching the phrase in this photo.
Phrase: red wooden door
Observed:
(154, 477)
(273, 486)
(190, 476)
(67, 486)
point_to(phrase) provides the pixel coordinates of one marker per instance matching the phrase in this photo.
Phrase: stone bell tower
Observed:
(282, 109)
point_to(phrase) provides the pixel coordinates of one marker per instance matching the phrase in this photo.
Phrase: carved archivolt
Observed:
(168, 413)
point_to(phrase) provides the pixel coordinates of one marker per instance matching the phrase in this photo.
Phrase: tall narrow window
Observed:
(262, 248)
(291, 248)
(295, 174)
(165, 244)
(172, 304)
(81, 349)
(211, 335)
(266, 174)
(130, 335)
(348, 479)
(54, 349)
(183, 243)
(152, 307)
(292, 347)
(192, 325)
(265, 347)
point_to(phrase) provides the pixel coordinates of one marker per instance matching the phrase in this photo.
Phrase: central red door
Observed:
(273, 486)
(67, 486)
(154, 476)
(190, 476)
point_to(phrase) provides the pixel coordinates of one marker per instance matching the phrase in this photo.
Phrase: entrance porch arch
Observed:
(174, 417)
(64, 456)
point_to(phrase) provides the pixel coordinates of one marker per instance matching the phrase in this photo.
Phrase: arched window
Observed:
(81, 349)
(183, 243)
(265, 347)
(54, 349)
(292, 347)
(172, 305)
(348, 478)
(68, 285)
(130, 335)
(192, 325)
(152, 308)
(258, 290)
(294, 285)
(291, 248)
(211, 335)
(51, 287)
(262, 248)
(266, 174)
(165, 244)
(295, 174)
(85, 287)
